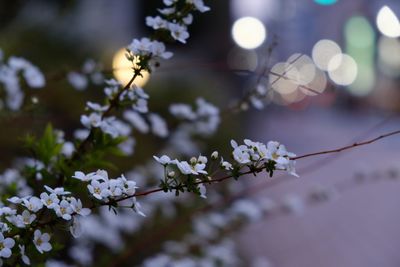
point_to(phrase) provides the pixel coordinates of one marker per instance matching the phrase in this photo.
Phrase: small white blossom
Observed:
(77, 80)
(41, 241)
(156, 22)
(76, 228)
(6, 244)
(99, 190)
(76, 205)
(163, 160)
(64, 210)
(24, 258)
(158, 125)
(178, 32)
(199, 5)
(203, 191)
(60, 191)
(50, 201)
(33, 204)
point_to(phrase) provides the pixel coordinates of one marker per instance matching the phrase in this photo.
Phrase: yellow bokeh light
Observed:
(249, 32)
(388, 23)
(122, 70)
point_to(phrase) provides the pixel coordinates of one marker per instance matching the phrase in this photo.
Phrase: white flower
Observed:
(60, 191)
(24, 258)
(214, 155)
(96, 107)
(6, 244)
(182, 111)
(15, 200)
(93, 120)
(199, 5)
(158, 125)
(68, 149)
(140, 47)
(136, 120)
(81, 176)
(188, 19)
(26, 218)
(241, 155)
(76, 205)
(34, 78)
(76, 228)
(7, 211)
(163, 160)
(64, 210)
(158, 50)
(156, 22)
(99, 190)
(226, 165)
(130, 188)
(41, 241)
(167, 11)
(203, 191)
(169, 2)
(77, 80)
(184, 167)
(50, 201)
(178, 32)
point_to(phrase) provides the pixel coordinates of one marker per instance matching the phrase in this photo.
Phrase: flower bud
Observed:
(171, 174)
(214, 155)
(193, 161)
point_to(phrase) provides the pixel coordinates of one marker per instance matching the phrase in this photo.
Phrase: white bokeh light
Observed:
(304, 65)
(283, 78)
(249, 32)
(323, 51)
(342, 69)
(388, 23)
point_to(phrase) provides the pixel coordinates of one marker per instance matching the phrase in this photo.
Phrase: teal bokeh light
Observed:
(325, 2)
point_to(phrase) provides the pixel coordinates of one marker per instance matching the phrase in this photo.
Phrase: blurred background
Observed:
(340, 63)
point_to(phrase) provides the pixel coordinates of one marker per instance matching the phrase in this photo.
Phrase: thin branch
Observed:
(257, 170)
(347, 147)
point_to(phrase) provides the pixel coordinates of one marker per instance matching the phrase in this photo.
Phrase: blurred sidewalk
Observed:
(361, 227)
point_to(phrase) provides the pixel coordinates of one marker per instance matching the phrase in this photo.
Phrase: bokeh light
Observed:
(122, 69)
(323, 51)
(283, 77)
(388, 23)
(317, 85)
(305, 67)
(342, 69)
(249, 32)
(325, 2)
(389, 56)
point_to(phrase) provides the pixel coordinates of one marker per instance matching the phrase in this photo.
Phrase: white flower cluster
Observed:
(9, 78)
(105, 189)
(90, 72)
(203, 121)
(255, 153)
(196, 166)
(56, 199)
(147, 47)
(176, 25)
